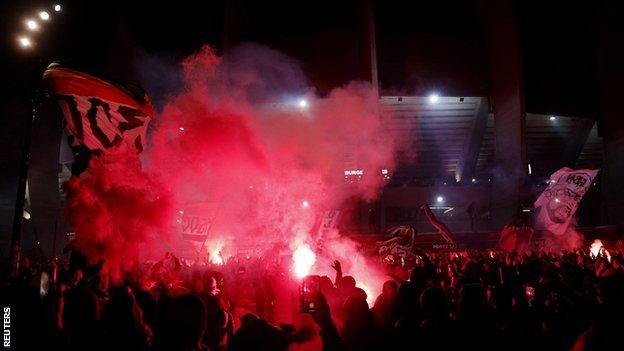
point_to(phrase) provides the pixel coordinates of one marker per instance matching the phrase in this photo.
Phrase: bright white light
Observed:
(439, 198)
(32, 24)
(44, 15)
(26, 214)
(384, 171)
(181, 212)
(305, 204)
(433, 98)
(303, 258)
(370, 298)
(214, 250)
(557, 200)
(552, 118)
(530, 169)
(303, 103)
(474, 180)
(181, 129)
(25, 42)
(57, 8)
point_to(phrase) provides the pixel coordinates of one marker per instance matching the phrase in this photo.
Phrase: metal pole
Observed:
(16, 237)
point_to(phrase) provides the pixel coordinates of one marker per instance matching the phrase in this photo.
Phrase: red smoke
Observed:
(227, 139)
(115, 207)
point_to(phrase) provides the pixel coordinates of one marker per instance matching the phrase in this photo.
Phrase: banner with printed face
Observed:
(558, 203)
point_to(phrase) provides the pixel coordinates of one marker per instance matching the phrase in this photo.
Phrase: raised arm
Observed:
(338, 268)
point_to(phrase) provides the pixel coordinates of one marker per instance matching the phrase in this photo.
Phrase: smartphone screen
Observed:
(44, 286)
(529, 292)
(309, 287)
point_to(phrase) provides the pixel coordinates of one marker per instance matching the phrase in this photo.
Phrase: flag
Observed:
(558, 203)
(194, 223)
(329, 221)
(100, 114)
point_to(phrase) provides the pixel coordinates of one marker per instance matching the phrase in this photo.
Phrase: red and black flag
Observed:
(100, 113)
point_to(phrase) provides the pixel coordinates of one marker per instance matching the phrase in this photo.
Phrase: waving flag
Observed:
(559, 201)
(99, 113)
(194, 224)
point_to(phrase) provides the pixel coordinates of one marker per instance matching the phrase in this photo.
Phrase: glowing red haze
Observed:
(255, 162)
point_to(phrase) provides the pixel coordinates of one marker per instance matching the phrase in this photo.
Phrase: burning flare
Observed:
(215, 255)
(303, 258)
(596, 249)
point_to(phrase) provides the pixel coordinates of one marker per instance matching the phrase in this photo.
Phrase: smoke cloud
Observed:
(246, 142)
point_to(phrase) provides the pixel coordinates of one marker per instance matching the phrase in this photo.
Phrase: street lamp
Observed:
(44, 15)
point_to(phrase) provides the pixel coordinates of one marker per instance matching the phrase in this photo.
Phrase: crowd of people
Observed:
(485, 300)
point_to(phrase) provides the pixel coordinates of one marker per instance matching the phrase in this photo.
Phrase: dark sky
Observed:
(421, 45)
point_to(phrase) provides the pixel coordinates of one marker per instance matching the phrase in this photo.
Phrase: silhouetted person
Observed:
(475, 319)
(436, 329)
(79, 318)
(360, 331)
(122, 323)
(384, 308)
(183, 324)
(606, 332)
(258, 335)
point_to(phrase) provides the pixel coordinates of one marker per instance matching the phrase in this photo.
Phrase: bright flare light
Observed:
(552, 118)
(305, 204)
(25, 42)
(44, 15)
(215, 254)
(57, 8)
(433, 98)
(32, 24)
(303, 103)
(370, 298)
(303, 258)
(181, 129)
(595, 250)
(440, 199)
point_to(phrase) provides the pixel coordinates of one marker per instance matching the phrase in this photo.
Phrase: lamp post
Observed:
(27, 43)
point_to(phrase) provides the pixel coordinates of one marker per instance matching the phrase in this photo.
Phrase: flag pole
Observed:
(16, 235)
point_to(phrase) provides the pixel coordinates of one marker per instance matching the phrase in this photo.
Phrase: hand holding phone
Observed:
(310, 288)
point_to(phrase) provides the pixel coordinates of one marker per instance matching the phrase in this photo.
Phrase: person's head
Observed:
(184, 323)
(76, 276)
(148, 305)
(79, 312)
(355, 306)
(389, 289)
(472, 299)
(104, 282)
(257, 334)
(326, 284)
(346, 284)
(122, 314)
(218, 276)
(611, 292)
(433, 304)
(212, 287)
(197, 282)
(407, 299)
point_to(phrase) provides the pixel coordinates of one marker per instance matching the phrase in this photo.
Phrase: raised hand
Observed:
(336, 266)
